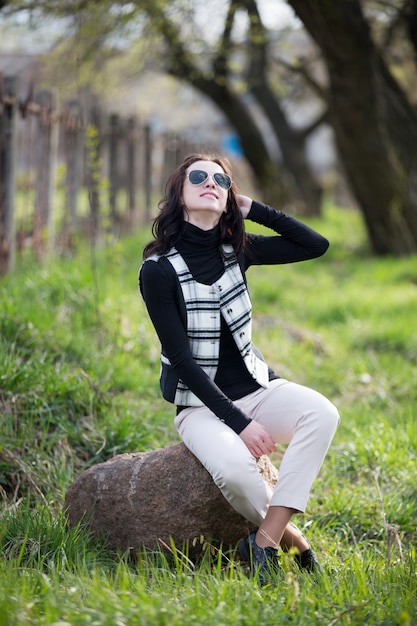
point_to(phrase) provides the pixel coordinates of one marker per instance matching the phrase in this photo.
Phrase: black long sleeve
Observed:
(296, 241)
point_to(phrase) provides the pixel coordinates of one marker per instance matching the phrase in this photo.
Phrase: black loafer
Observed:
(263, 562)
(307, 560)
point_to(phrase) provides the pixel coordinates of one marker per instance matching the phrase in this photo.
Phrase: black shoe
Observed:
(307, 560)
(262, 561)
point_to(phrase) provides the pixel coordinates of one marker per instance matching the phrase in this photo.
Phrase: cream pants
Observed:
(293, 415)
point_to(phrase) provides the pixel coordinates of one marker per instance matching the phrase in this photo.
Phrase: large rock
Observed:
(144, 499)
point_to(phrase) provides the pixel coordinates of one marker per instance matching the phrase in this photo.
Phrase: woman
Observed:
(232, 408)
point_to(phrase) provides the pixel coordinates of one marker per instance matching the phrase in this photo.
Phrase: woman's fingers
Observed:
(257, 439)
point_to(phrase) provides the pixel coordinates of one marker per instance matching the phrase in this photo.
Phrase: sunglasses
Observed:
(198, 177)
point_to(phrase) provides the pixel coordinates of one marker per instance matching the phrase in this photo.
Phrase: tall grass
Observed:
(78, 384)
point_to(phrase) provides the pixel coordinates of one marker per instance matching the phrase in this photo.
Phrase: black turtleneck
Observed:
(200, 249)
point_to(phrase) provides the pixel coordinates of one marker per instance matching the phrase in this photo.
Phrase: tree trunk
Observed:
(375, 126)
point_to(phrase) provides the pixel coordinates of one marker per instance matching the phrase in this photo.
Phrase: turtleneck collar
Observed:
(200, 249)
(193, 235)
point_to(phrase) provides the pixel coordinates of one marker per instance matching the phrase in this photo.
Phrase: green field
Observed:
(79, 383)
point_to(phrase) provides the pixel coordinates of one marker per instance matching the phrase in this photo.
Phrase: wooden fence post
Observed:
(131, 166)
(46, 150)
(7, 174)
(73, 150)
(114, 138)
(148, 173)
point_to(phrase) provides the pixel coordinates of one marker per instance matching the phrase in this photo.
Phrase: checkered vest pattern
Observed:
(229, 297)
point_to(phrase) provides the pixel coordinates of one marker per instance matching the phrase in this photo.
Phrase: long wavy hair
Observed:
(168, 226)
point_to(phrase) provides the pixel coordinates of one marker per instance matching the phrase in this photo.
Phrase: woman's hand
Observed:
(244, 203)
(257, 439)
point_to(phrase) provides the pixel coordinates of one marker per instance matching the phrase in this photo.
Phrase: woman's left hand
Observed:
(244, 203)
(257, 439)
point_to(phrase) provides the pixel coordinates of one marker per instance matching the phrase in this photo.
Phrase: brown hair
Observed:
(168, 226)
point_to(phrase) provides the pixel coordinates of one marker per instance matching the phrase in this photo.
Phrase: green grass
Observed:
(79, 383)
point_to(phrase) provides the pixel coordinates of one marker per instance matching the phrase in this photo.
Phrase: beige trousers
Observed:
(293, 415)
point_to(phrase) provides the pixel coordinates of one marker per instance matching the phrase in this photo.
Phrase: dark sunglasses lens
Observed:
(196, 177)
(223, 180)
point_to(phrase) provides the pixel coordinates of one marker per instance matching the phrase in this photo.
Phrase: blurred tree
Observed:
(214, 73)
(209, 74)
(374, 122)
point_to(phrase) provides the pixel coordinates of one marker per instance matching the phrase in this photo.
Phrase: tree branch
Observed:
(221, 59)
(179, 63)
(307, 130)
(410, 18)
(257, 44)
(300, 68)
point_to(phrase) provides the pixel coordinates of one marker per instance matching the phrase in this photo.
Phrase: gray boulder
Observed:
(146, 498)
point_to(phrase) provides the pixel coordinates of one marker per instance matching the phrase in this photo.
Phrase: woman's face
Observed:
(205, 200)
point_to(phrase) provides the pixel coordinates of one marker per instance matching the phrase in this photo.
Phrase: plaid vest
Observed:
(204, 304)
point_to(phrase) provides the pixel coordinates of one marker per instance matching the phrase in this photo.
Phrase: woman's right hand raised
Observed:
(244, 204)
(257, 439)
